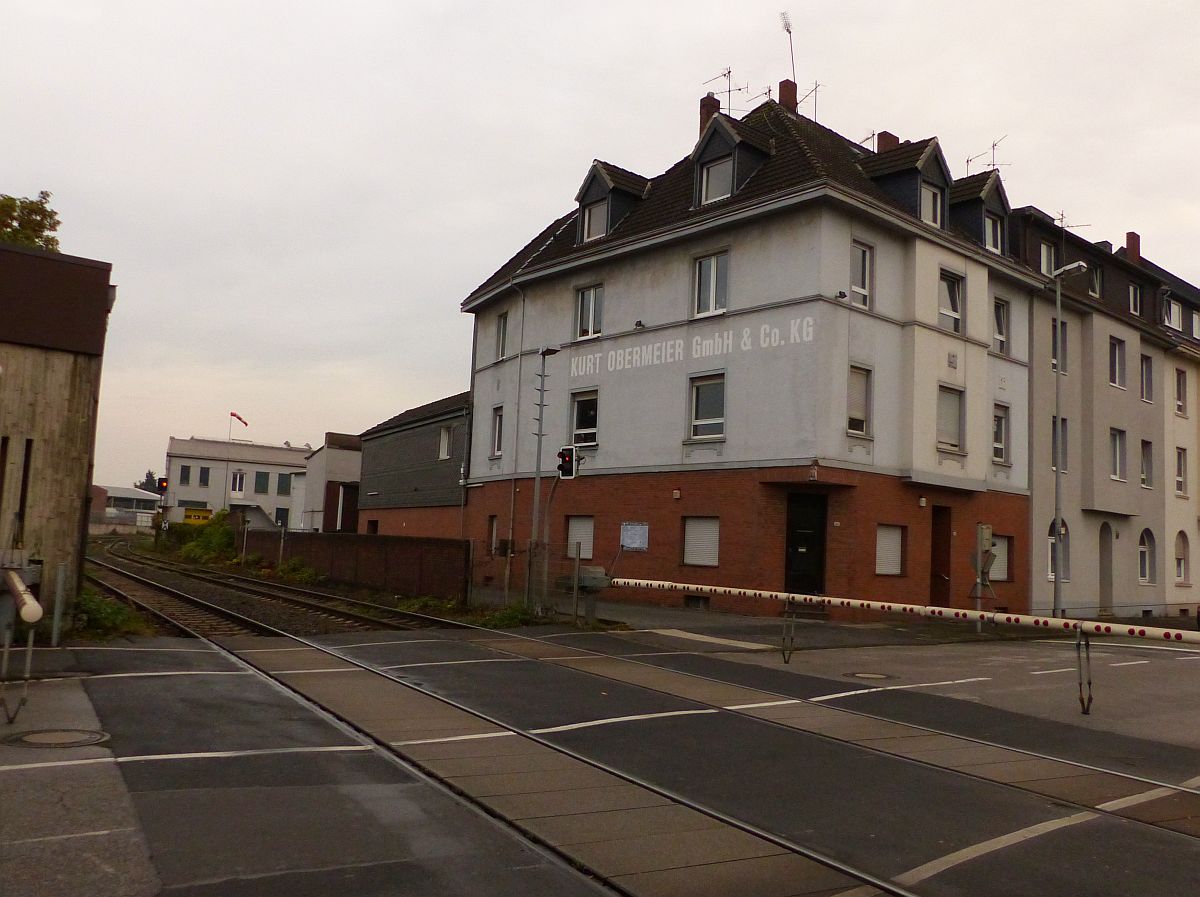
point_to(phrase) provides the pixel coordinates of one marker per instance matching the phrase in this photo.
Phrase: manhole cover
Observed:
(869, 676)
(56, 738)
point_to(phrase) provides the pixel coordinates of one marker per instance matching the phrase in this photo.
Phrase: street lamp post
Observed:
(543, 353)
(1059, 355)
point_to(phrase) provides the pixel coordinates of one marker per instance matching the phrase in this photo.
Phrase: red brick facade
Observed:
(446, 522)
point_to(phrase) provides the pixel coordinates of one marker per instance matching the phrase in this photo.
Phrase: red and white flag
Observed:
(239, 417)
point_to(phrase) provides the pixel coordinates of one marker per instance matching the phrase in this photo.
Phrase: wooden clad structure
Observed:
(53, 318)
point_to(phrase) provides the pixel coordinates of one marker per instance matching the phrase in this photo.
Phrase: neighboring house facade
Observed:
(54, 312)
(252, 477)
(129, 504)
(330, 486)
(412, 469)
(779, 357)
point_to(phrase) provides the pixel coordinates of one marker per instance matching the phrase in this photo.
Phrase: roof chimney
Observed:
(1106, 245)
(886, 140)
(709, 106)
(787, 94)
(1133, 247)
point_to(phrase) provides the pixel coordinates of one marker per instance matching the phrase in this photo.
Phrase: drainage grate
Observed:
(56, 738)
(870, 676)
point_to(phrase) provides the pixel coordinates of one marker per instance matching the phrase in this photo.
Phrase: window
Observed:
(579, 532)
(1196, 324)
(993, 234)
(1181, 471)
(237, 484)
(1180, 391)
(1049, 257)
(187, 503)
(1000, 433)
(931, 204)
(701, 540)
(595, 220)
(950, 303)
(1146, 557)
(283, 485)
(1096, 285)
(1146, 477)
(584, 407)
(858, 402)
(712, 283)
(716, 180)
(1065, 546)
(493, 536)
(1116, 445)
(1182, 559)
(262, 482)
(949, 418)
(1116, 362)
(1173, 314)
(1055, 427)
(372, 527)
(501, 335)
(889, 550)
(708, 407)
(1135, 299)
(281, 517)
(204, 477)
(862, 274)
(1147, 378)
(1058, 345)
(589, 311)
(185, 474)
(444, 443)
(1000, 327)
(497, 431)
(1002, 549)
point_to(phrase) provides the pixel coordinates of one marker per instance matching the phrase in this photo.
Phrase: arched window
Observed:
(1146, 557)
(1183, 562)
(1066, 553)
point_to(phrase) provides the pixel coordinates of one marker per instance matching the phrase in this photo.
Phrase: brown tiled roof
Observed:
(624, 179)
(447, 405)
(971, 187)
(801, 153)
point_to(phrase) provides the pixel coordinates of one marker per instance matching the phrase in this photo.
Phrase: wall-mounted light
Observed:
(675, 493)
(921, 501)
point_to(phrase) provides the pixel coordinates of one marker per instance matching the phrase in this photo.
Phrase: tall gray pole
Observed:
(537, 476)
(1058, 444)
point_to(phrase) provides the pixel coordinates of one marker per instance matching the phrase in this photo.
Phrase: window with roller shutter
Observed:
(889, 550)
(579, 532)
(949, 418)
(858, 402)
(1001, 548)
(701, 540)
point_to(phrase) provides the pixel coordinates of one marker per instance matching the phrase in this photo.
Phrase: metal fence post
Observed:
(575, 586)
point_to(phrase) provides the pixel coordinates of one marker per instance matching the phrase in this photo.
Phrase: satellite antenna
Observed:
(786, 21)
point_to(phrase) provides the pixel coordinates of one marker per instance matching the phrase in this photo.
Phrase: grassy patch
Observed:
(97, 616)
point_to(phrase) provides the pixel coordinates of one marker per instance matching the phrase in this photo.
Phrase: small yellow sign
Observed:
(197, 515)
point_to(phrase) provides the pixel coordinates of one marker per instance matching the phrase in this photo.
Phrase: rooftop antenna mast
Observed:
(994, 164)
(786, 21)
(730, 87)
(812, 93)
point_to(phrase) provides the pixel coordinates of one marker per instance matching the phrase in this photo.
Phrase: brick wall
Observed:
(438, 522)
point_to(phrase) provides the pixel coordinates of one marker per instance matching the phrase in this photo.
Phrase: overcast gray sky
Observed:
(296, 196)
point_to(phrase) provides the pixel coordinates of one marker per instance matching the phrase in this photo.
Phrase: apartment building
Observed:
(789, 362)
(252, 477)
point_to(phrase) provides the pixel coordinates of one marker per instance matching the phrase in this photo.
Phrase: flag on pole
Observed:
(239, 417)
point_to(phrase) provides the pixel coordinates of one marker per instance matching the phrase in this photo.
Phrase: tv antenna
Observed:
(786, 21)
(730, 87)
(994, 163)
(817, 85)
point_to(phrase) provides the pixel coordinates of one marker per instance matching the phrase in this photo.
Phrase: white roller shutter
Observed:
(889, 550)
(579, 531)
(999, 571)
(949, 417)
(857, 399)
(701, 539)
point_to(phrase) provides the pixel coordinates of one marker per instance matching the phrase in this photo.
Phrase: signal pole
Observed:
(543, 354)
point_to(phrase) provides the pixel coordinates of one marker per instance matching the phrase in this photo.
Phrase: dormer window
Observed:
(717, 180)
(1096, 287)
(595, 220)
(993, 233)
(1173, 314)
(931, 204)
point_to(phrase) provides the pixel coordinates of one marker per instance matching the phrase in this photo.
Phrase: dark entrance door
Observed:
(939, 558)
(805, 571)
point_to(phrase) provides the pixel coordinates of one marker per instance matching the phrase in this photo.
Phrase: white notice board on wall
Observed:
(635, 536)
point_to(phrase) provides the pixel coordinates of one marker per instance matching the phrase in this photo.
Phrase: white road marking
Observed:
(657, 654)
(1046, 672)
(619, 719)
(347, 669)
(711, 639)
(83, 678)
(201, 755)
(763, 704)
(110, 831)
(1193, 657)
(867, 691)
(1147, 647)
(1128, 663)
(452, 738)
(450, 663)
(413, 641)
(110, 648)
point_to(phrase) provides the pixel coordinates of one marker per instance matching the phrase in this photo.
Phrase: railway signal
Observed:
(566, 462)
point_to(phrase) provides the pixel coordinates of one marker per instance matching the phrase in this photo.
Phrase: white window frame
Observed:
(702, 541)
(1147, 378)
(1066, 552)
(889, 549)
(1195, 324)
(695, 423)
(1181, 471)
(862, 266)
(1183, 562)
(1060, 426)
(1049, 254)
(718, 300)
(1146, 558)
(993, 233)
(942, 444)
(865, 430)
(1000, 450)
(1146, 474)
(497, 431)
(1181, 392)
(931, 203)
(953, 311)
(1173, 314)
(1059, 348)
(1116, 362)
(1095, 281)
(1001, 315)
(501, 335)
(1135, 299)
(237, 484)
(593, 213)
(444, 439)
(706, 194)
(1116, 454)
(1001, 570)
(589, 311)
(587, 435)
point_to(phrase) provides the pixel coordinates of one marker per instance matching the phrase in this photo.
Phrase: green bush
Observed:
(294, 569)
(213, 542)
(97, 616)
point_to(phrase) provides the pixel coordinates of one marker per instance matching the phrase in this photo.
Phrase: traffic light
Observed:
(162, 485)
(566, 462)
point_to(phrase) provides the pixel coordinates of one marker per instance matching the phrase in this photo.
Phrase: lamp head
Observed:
(1072, 268)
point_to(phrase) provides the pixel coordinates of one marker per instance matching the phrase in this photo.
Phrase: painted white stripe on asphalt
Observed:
(619, 719)
(763, 704)
(110, 831)
(450, 663)
(657, 654)
(109, 648)
(1193, 657)
(711, 639)
(412, 641)
(867, 691)
(141, 675)
(1065, 643)
(1047, 672)
(452, 738)
(348, 669)
(202, 755)
(1128, 663)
